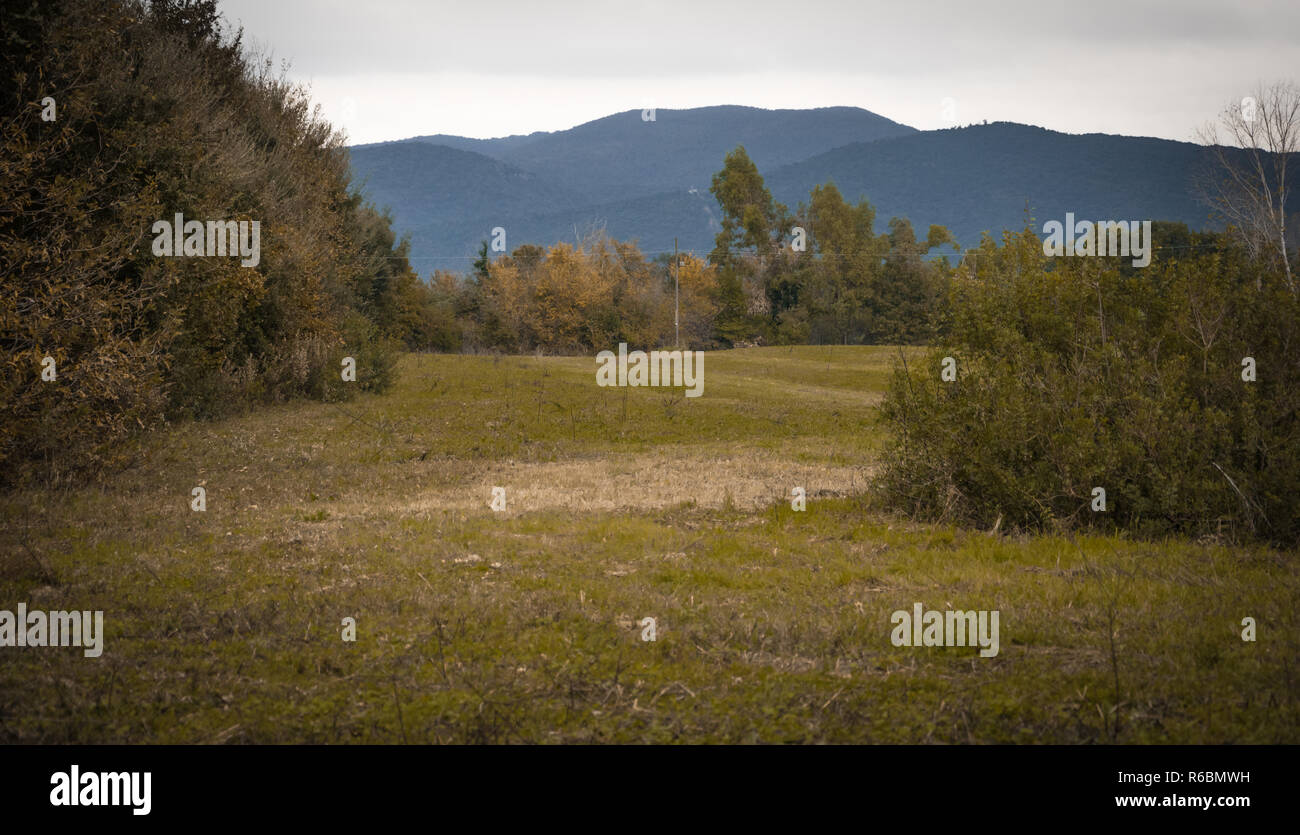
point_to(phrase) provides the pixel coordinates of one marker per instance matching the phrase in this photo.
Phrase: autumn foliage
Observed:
(160, 111)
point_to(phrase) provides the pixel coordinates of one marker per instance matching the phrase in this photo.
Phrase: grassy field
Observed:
(523, 625)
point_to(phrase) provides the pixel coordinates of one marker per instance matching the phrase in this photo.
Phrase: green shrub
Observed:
(1078, 373)
(375, 356)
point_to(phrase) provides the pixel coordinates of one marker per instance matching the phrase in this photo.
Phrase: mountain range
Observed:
(646, 176)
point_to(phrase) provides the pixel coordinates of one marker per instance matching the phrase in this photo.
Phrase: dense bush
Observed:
(160, 112)
(1076, 373)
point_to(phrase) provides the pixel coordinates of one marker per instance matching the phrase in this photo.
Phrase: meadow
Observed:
(524, 625)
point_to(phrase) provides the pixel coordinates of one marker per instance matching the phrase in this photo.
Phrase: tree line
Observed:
(819, 274)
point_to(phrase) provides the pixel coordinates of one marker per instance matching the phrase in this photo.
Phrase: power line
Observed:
(816, 256)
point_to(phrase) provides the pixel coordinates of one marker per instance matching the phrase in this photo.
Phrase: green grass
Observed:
(522, 626)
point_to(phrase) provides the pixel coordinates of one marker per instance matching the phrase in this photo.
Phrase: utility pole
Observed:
(677, 331)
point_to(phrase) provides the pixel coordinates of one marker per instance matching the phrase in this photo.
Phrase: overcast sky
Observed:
(389, 69)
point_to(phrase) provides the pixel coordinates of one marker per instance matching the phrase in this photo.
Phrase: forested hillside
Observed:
(636, 152)
(984, 178)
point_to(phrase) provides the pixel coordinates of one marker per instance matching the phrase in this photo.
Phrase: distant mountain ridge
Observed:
(984, 178)
(649, 180)
(627, 155)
